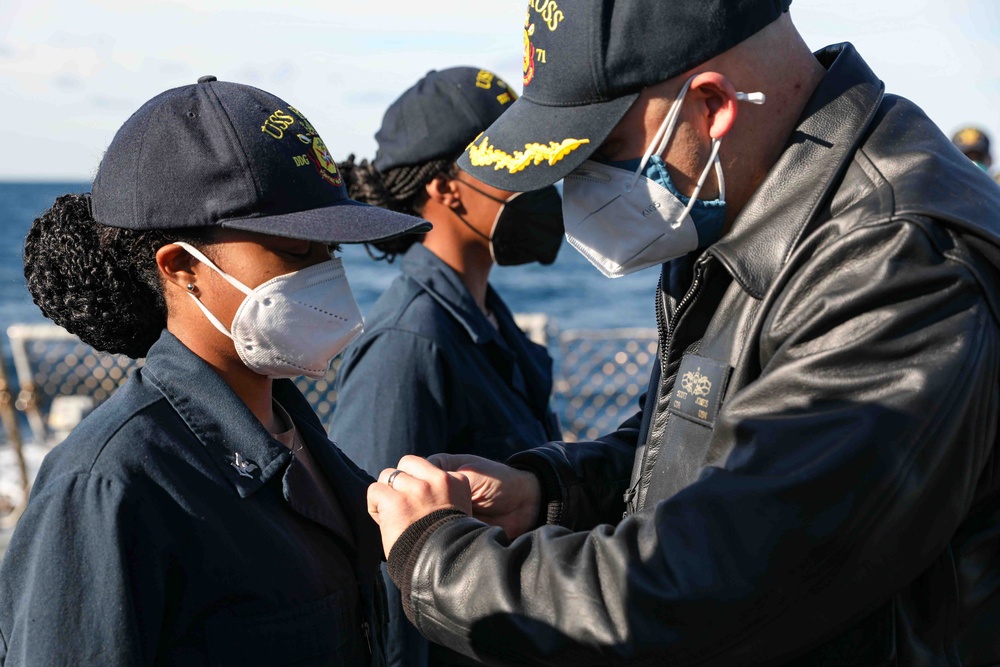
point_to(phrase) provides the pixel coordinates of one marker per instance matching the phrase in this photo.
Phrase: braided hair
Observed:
(98, 282)
(400, 189)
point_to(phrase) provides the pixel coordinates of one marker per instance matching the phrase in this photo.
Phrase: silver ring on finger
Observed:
(392, 476)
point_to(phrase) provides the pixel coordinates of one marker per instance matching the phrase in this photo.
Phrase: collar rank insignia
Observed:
(243, 467)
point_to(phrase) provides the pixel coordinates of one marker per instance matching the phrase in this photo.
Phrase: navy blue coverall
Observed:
(431, 374)
(170, 528)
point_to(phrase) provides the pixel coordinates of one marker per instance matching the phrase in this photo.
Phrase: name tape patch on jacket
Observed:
(699, 387)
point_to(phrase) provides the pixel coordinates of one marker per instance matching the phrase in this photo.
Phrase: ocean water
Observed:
(570, 291)
(597, 380)
(589, 399)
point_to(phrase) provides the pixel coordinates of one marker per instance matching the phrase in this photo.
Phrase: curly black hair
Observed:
(98, 282)
(399, 189)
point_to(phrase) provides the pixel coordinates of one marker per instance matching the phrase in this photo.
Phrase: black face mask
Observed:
(528, 227)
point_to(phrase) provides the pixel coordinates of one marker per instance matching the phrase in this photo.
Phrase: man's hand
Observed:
(417, 490)
(501, 496)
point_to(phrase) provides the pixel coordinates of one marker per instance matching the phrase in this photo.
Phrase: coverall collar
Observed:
(445, 286)
(245, 453)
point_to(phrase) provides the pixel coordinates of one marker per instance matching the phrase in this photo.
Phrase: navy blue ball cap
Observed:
(439, 115)
(228, 155)
(971, 140)
(585, 63)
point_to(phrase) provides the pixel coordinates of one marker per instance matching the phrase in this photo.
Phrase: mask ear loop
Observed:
(197, 254)
(713, 160)
(662, 136)
(666, 131)
(496, 221)
(753, 98)
(722, 179)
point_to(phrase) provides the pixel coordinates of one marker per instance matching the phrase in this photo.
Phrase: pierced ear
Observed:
(176, 265)
(719, 98)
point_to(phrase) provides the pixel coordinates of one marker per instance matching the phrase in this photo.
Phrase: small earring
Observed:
(190, 287)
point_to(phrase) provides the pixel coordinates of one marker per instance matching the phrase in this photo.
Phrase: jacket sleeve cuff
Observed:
(551, 509)
(404, 553)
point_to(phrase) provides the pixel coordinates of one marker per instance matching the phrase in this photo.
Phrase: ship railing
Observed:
(599, 375)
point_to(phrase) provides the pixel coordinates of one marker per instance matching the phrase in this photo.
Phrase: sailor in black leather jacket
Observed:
(838, 500)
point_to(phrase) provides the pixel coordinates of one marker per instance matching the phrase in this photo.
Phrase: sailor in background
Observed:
(442, 366)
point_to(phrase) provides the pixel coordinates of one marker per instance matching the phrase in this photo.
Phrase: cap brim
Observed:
(532, 145)
(347, 221)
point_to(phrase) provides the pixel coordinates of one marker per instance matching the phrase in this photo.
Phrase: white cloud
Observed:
(82, 66)
(36, 64)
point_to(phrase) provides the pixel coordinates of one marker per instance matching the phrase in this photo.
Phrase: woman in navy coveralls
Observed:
(200, 516)
(442, 366)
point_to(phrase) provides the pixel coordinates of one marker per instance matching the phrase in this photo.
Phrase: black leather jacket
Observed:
(814, 476)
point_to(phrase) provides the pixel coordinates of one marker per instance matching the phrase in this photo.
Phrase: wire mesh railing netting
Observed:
(599, 376)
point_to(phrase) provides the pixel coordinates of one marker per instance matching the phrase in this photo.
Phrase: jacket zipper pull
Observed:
(629, 498)
(368, 637)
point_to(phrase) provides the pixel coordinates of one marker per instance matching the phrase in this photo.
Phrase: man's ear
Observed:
(177, 266)
(717, 98)
(443, 191)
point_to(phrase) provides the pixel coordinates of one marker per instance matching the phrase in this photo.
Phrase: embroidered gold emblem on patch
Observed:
(325, 163)
(508, 95)
(484, 155)
(696, 383)
(529, 50)
(277, 126)
(548, 11)
(277, 123)
(484, 79)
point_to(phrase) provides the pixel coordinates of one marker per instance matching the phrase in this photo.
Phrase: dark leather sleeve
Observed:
(583, 483)
(854, 457)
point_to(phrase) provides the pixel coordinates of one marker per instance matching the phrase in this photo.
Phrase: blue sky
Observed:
(71, 71)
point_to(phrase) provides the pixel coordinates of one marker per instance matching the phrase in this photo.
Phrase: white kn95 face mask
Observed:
(623, 221)
(291, 325)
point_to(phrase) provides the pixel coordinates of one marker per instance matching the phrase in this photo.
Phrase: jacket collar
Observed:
(443, 284)
(225, 426)
(246, 454)
(349, 483)
(831, 128)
